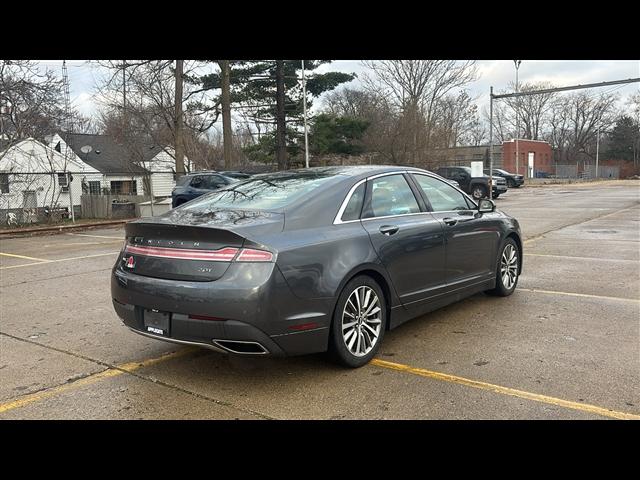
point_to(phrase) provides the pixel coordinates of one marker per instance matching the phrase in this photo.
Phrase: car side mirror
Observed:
(486, 206)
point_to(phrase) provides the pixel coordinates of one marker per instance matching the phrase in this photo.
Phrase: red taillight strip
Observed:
(304, 326)
(252, 255)
(223, 255)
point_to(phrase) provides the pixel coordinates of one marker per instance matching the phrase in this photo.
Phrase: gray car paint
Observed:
(314, 258)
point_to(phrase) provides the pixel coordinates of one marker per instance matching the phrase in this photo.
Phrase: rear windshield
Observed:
(266, 193)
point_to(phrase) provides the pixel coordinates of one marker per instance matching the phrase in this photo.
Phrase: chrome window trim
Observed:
(393, 216)
(338, 219)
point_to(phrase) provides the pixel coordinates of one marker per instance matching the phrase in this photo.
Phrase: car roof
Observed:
(353, 171)
(204, 172)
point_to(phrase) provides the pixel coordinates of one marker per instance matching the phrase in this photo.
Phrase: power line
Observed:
(560, 89)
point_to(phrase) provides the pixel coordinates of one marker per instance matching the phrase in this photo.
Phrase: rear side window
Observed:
(442, 196)
(354, 206)
(391, 195)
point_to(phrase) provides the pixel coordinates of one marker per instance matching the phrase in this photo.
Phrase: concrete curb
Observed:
(27, 232)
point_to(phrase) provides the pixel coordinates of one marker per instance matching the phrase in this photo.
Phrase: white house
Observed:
(34, 176)
(124, 170)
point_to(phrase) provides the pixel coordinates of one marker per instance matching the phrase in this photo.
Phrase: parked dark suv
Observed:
(195, 184)
(512, 179)
(236, 174)
(477, 187)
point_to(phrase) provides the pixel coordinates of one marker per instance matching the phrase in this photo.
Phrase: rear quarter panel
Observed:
(316, 262)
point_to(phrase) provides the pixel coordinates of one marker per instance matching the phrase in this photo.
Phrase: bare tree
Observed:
(533, 109)
(575, 120)
(478, 132)
(456, 114)
(150, 99)
(30, 101)
(415, 87)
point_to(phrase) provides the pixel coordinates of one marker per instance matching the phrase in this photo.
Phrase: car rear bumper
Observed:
(249, 313)
(499, 189)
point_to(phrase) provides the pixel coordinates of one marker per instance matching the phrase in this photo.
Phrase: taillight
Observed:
(223, 255)
(253, 255)
(227, 254)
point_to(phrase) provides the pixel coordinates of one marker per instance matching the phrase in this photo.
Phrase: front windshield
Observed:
(266, 193)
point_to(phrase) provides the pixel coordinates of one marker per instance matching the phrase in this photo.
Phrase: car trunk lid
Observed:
(192, 247)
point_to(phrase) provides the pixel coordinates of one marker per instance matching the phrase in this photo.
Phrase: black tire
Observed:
(502, 290)
(338, 349)
(510, 183)
(496, 195)
(478, 192)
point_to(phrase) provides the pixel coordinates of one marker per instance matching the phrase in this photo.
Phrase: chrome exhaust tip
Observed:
(240, 347)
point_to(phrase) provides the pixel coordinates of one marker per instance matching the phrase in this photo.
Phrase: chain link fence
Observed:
(28, 198)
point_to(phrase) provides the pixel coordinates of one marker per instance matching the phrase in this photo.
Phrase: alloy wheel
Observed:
(477, 193)
(509, 266)
(361, 321)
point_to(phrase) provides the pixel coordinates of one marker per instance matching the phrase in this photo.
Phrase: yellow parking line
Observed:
(59, 260)
(583, 407)
(91, 379)
(95, 236)
(584, 295)
(24, 257)
(576, 257)
(106, 242)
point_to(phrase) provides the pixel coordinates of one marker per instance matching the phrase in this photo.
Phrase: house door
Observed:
(29, 206)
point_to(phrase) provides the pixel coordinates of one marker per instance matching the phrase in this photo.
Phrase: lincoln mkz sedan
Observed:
(304, 261)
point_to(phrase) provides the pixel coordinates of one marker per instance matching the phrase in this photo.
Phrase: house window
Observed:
(94, 188)
(123, 187)
(4, 183)
(63, 182)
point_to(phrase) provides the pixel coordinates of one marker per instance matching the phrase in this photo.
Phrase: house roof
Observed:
(108, 155)
(30, 155)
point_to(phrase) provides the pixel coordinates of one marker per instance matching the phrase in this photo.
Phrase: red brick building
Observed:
(542, 157)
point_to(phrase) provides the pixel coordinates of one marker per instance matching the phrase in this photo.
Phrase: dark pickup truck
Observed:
(477, 187)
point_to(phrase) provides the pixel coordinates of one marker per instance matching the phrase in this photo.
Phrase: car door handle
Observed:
(450, 221)
(389, 229)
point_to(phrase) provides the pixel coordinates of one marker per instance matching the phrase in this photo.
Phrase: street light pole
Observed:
(597, 150)
(517, 63)
(491, 144)
(304, 107)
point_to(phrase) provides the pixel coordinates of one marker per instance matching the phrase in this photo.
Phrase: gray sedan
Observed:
(303, 261)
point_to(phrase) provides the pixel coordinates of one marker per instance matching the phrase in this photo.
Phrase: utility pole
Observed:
(517, 63)
(124, 98)
(491, 144)
(281, 124)
(597, 149)
(557, 89)
(304, 106)
(178, 121)
(226, 112)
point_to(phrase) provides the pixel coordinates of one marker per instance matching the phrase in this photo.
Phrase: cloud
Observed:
(497, 73)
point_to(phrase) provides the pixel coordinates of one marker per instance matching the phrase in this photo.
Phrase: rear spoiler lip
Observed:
(245, 239)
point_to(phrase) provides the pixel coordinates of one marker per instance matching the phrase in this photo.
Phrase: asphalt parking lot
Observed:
(565, 345)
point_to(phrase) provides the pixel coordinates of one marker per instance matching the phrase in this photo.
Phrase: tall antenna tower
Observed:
(68, 127)
(68, 123)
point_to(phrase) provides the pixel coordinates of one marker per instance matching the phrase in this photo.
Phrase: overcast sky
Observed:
(496, 73)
